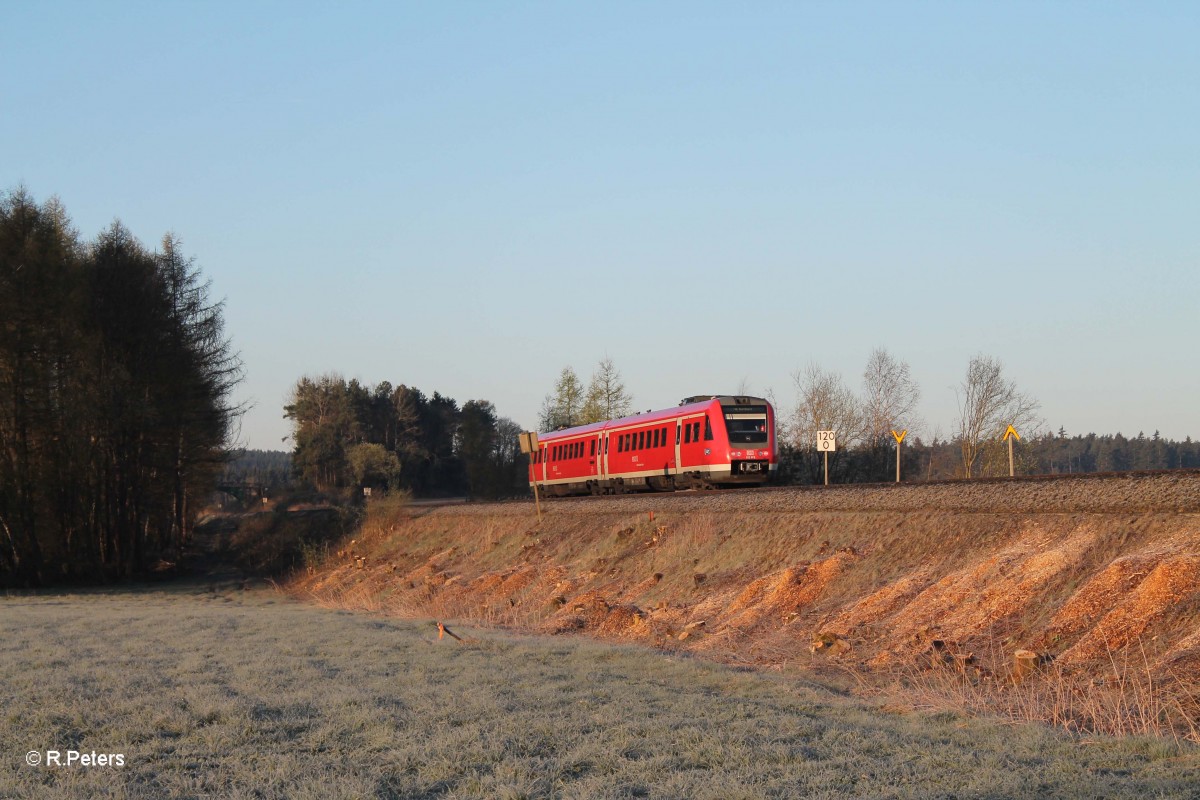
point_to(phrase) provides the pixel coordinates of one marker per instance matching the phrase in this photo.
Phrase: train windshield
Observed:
(747, 425)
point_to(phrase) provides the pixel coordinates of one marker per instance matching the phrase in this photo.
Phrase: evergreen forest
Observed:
(115, 410)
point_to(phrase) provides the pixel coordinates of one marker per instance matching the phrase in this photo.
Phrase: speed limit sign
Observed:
(825, 442)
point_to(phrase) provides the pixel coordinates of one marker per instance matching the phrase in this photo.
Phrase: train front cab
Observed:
(749, 424)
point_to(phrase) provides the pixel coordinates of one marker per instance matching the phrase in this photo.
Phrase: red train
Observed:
(711, 440)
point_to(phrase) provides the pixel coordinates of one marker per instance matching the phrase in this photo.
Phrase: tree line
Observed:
(115, 411)
(267, 468)
(348, 436)
(988, 402)
(885, 400)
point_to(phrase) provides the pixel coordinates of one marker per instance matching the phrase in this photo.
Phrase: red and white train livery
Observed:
(710, 440)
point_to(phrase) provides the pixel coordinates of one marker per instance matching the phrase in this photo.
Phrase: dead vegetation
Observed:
(1010, 597)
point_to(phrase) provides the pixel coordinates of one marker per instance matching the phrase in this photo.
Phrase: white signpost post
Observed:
(826, 443)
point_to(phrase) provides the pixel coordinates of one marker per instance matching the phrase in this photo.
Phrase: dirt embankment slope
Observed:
(874, 576)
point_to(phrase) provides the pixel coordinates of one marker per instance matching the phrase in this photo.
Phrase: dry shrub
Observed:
(1125, 700)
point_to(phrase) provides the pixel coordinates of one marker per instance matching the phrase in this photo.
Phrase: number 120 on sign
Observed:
(825, 442)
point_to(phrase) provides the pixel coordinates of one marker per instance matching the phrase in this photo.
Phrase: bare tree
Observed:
(606, 395)
(890, 396)
(988, 403)
(825, 403)
(561, 409)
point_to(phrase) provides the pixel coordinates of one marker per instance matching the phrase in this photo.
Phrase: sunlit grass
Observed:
(247, 694)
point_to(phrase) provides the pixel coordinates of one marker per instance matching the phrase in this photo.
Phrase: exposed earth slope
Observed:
(1078, 572)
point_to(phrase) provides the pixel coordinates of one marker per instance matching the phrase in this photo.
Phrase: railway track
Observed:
(1165, 491)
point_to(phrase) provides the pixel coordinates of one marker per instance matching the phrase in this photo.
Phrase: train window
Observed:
(654, 437)
(641, 445)
(695, 431)
(664, 437)
(592, 450)
(687, 433)
(708, 436)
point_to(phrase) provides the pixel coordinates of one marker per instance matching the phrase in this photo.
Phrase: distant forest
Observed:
(271, 469)
(349, 436)
(1048, 454)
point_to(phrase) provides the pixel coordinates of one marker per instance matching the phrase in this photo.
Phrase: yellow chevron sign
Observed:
(1011, 432)
(899, 437)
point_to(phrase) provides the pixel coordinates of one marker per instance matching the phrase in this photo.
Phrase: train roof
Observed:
(694, 403)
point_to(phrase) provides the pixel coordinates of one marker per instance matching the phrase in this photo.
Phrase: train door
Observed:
(678, 441)
(598, 461)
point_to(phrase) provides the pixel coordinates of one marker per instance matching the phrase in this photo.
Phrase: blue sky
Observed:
(466, 197)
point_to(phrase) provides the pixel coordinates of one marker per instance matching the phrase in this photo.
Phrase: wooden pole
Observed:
(897, 462)
(536, 500)
(826, 467)
(1010, 457)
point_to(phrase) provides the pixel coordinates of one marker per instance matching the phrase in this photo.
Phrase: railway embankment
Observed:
(992, 579)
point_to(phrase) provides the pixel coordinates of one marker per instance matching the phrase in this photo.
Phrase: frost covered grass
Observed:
(229, 693)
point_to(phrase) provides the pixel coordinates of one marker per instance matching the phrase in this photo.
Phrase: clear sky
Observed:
(467, 197)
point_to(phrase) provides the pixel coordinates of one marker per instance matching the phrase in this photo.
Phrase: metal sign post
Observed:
(1009, 435)
(826, 443)
(899, 437)
(529, 445)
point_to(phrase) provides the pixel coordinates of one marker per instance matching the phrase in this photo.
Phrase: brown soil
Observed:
(1081, 571)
